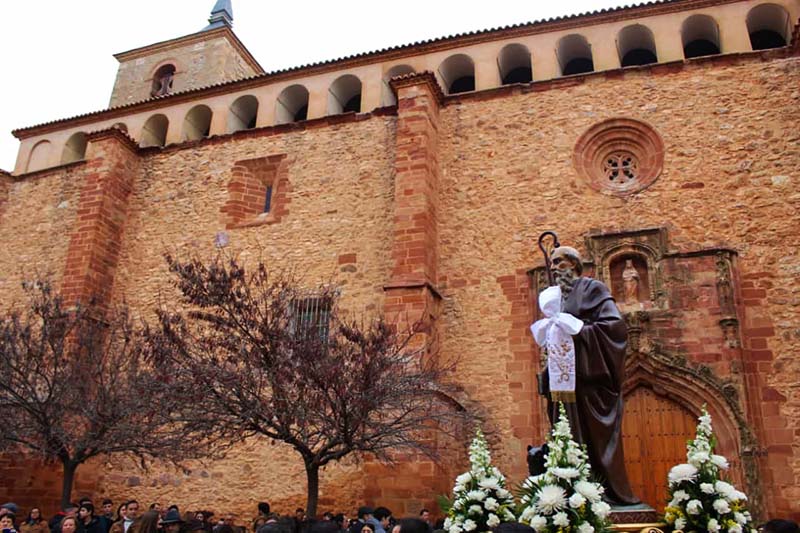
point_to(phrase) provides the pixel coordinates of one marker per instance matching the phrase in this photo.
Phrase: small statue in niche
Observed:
(630, 283)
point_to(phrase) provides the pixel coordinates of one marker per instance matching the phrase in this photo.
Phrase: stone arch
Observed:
(514, 63)
(387, 95)
(292, 105)
(40, 156)
(769, 26)
(636, 46)
(344, 95)
(700, 36)
(692, 387)
(163, 78)
(75, 148)
(154, 131)
(458, 74)
(574, 54)
(243, 113)
(197, 123)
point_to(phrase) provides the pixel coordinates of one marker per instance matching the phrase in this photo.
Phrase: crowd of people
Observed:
(130, 517)
(83, 517)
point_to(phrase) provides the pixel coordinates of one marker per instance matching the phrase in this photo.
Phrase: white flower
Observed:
(740, 518)
(455, 528)
(587, 489)
(551, 498)
(573, 456)
(694, 507)
(679, 473)
(509, 516)
(469, 525)
(735, 528)
(680, 495)
(720, 461)
(527, 514)
(538, 522)
(503, 493)
(586, 527)
(493, 520)
(561, 519)
(707, 488)
(680, 523)
(698, 458)
(464, 478)
(478, 495)
(726, 490)
(738, 496)
(475, 509)
(713, 526)
(601, 509)
(490, 483)
(458, 504)
(576, 500)
(721, 506)
(565, 473)
(491, 504)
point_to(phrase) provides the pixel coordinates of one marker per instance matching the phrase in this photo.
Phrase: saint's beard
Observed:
(565, 278)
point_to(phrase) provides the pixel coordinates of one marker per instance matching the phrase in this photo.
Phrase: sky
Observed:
(57, 55)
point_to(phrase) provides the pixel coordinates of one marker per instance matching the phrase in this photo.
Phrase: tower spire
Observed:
(221, 15)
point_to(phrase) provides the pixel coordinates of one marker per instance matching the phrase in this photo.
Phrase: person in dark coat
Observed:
(88, 522)
(596, 414)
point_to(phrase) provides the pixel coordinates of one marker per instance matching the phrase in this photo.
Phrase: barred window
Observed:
(311, 316)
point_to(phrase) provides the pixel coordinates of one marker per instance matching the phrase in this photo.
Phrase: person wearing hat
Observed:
(171, 523)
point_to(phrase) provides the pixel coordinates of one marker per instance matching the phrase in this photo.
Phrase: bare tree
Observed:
(76, 383)
(277, 361)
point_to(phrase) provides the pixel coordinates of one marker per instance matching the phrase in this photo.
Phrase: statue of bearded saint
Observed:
(596, 414)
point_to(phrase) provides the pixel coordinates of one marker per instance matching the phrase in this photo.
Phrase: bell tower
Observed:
(212, 55)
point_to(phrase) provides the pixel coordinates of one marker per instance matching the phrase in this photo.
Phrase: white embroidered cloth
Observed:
(554, 333)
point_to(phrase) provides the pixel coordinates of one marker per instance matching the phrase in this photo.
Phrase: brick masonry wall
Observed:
(34, 223)
(504, 175)
(730, 165)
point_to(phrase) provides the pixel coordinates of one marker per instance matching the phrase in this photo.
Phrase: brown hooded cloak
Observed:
(596, 415)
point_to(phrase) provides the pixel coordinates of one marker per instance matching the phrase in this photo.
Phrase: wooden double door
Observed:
(654, 433)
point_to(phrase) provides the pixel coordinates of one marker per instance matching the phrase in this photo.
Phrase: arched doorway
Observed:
(655, 430)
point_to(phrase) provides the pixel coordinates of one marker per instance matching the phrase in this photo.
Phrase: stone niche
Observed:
(681, 292)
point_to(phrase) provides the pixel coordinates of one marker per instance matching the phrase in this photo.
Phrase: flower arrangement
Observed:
(699, 500)
(480, 497)
(563, 499)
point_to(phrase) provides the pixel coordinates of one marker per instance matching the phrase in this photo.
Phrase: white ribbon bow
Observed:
(554, 333)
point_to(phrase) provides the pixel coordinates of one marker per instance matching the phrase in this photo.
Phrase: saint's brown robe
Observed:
(596, 415)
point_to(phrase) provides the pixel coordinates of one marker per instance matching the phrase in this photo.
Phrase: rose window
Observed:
(620, 168)
(619, 156)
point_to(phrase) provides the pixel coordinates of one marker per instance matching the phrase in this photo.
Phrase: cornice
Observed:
(418, 78)
(193, 38)
(405, 51)
(114, 133)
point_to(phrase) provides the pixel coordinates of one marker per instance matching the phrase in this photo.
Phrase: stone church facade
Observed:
(661, 137)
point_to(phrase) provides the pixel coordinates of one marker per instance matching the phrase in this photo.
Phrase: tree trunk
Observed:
(312, 475)
(66, 485)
